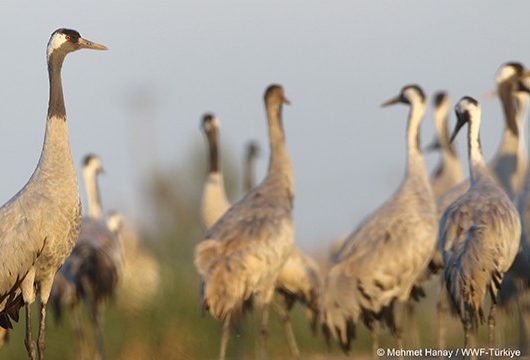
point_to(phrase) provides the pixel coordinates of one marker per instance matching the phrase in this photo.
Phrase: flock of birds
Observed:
(474, 231)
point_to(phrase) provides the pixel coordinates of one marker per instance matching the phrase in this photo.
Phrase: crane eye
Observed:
(68, 38)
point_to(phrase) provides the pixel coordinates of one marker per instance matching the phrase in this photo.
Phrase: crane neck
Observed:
(521, 108)
(441, 120)
(56, 107)
(56, 158)
(511, 131)
(213, 150)
(92, 192)
(414, 154)
(280, 163)
(477, 166)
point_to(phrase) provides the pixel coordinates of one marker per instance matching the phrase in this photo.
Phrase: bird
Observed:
(479, 234)
(214, 202)
(92, 271)
(449, 172)
(379, 263)
(515, 293)
(40, 224)
(510, 161)
(299, 279)
(511, 153)
(242, 254)
(141, 279)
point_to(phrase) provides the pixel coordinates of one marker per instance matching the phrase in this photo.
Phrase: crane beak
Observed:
(394, 100)
(460, 122)
(286, 101)
(87, 44)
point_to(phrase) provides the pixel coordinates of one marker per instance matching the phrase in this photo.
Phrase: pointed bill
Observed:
(392, 101)
(87, 44)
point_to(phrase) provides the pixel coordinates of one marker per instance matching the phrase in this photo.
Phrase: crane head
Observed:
(66, 40)
(93, 162)
(408, 95)
(466, 109)
(274, 95)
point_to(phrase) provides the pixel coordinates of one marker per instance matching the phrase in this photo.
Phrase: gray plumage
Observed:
(299, 279)
(244, 251)
(510, 162)
(515, 292)
(479, 233)
(40, 224)
(379, 262)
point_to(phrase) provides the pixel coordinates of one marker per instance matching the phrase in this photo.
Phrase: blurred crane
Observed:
(510, 161)
(479, 234)
(299, 280)
(91, 273)
(380, 262)
(244, 251)
(449, 171)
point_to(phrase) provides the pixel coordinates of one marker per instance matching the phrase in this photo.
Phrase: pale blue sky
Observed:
(338, 60)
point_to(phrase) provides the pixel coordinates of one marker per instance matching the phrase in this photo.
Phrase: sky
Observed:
(337, 60)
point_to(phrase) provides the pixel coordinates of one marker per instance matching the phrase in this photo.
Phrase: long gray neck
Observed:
(56, 159)
(92, 192)
(56, 106)
(280, 163)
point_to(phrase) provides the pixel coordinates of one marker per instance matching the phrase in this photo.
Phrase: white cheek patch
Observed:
(215, 122)
(56, 42)
(504, 73)
(412, 95)
(212, 124)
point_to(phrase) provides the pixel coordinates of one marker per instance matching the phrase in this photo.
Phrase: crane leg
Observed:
(374, 333)
(412, 324)
(491, 325)
(224, 337)
(398, 310)
(523, 305)
(469, 338)
(97, 321)
(41, 343)
(28, 341)
(291, 340)
(442, 310)
(264, 332)
(78, 330)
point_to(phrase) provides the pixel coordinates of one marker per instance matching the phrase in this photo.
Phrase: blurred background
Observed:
(138, 106)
